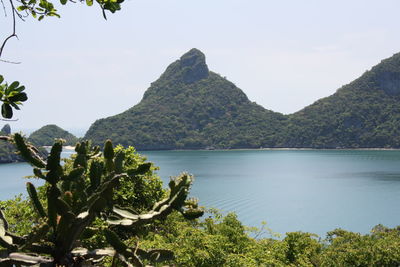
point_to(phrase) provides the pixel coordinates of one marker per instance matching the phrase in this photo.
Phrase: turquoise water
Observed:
(308, 190)
(314, 190)
(13, 177)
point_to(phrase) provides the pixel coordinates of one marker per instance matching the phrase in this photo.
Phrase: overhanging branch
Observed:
(13, 11)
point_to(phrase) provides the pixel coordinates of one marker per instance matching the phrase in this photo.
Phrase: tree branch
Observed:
(4, 8)
(11, 62)
(1, 119)
(13, 33)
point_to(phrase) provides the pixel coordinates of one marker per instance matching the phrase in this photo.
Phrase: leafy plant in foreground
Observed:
(12, 96)
(76, 197)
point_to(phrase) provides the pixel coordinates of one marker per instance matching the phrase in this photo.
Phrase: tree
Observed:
(12, 95)
(78, 201)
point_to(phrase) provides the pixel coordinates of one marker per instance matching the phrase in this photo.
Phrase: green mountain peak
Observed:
(190, 107)
(46, 135)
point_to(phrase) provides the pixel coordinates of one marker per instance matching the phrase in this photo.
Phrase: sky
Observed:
(283, 54)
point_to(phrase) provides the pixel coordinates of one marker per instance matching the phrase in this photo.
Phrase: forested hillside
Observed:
(46, 135)
(7, 150)
(190, 107)
(363, 114)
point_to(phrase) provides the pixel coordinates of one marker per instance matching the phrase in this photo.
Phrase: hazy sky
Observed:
(283, 54)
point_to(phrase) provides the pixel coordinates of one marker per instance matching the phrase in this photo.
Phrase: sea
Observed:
(279, 191)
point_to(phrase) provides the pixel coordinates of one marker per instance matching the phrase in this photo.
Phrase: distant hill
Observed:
(45, 136)
(7, 150)
(363, 114)
(190, 107)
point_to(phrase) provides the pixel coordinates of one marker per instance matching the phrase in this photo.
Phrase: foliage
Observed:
(46, 135)
(7, 150)
(224, 241)
(7, 153)
(189, 107)
(362, 114)
(42, 8)
(77, 202)
(20, 215)
(380, 248)
(12, 96)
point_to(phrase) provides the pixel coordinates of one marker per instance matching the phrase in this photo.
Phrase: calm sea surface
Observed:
(308, 190)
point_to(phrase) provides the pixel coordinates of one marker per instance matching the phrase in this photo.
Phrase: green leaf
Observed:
(13, 86)
(6, 111)
(19, 97)
(21, 8)
(15, 106)
(41, 17)
(20, 89)
(63, 2)
(55, 15)
(89, 2)
(1, 78)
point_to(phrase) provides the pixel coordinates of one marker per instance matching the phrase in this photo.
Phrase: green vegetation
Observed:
(77, 216)
(7, 150)
(7, 153)
(364, 113)
(11, 96)
(177, 239)
(97, 200)
(189, 107)
(46, 135)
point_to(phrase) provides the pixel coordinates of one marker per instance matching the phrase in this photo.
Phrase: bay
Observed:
(13, 177)
(309, 190)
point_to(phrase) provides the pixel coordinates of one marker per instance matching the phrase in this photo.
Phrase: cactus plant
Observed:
(77, 196)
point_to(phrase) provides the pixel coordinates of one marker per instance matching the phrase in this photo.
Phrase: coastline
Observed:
(279, 149)
(260, 149)
(64, 147)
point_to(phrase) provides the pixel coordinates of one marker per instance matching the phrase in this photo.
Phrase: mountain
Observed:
(45, 136)
(362, 114)
(6, 130)
(7, 150)
(190, 107)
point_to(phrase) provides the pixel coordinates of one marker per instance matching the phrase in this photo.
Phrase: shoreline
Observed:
(261, 149)
(279, 149)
